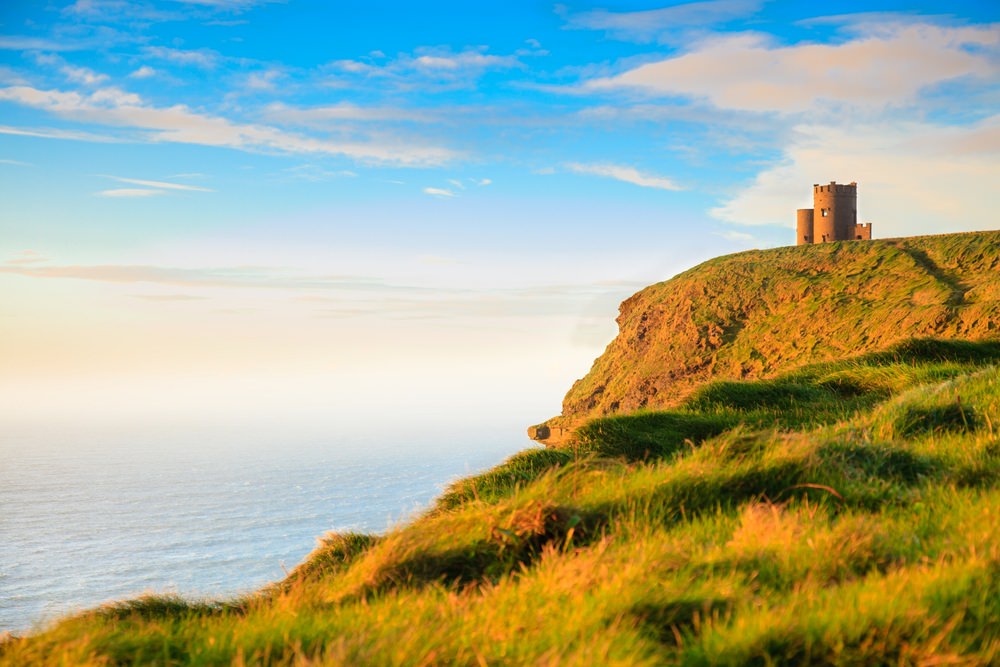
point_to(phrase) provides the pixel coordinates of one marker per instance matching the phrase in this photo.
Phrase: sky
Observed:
(428, 213)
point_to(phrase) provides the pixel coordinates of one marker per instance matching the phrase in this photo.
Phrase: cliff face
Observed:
(755, 313)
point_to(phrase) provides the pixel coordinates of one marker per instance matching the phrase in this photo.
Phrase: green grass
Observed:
(757, 314)
(840, 513)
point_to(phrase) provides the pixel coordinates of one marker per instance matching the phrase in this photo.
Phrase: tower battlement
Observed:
(837, 188)
(833, 217)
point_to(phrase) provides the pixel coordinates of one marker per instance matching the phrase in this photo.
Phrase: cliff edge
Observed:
(753, 314)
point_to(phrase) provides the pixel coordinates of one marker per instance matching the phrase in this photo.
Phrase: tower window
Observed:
(824, 211)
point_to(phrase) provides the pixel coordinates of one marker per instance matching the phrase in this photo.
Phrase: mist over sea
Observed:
(96, 512)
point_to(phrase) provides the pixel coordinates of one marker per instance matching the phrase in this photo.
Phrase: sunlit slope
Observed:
(843, 513)
(831, 499)
(755, 313)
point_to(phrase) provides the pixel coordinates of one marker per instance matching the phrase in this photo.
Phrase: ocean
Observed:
(91, 514)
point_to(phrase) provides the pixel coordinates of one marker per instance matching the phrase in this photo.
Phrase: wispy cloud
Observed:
(884, 67)
(462, 184)
(17, 163)
(110, 11)
(625, 174)
(231, 5)
(53, 133)
(137, 12)
(264, 80)
(114, 107)
(169, 297)
(83, 75)
(125, 193)
(161, 185)
(204, 58)
(26, 257)
(337, 114)
(427, 68)
(354, 296)
(142, 13)
(143, 72)
(644, 26)
(315, 173)
(439, 192)
(444, 60)
(11, 77)
(236, 277)
(25, 43)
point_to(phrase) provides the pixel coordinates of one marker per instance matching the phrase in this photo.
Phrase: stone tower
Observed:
(833, 217)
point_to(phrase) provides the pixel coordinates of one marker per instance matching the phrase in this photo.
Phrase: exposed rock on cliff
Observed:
(753, 314)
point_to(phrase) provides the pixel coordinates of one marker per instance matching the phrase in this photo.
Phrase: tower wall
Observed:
(835, 212)
(804, 226)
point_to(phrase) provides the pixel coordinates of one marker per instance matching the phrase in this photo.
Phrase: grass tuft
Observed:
(503, 480)
(951, 417)
(840, 513)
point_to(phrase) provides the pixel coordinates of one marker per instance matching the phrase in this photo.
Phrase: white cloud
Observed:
(117, 10)
(143, 72)
(231, 5)
(53, 133)
(913, 177)
(327, 116)
(138, 12)
(17, 163)
(626, 174)
(426, 68)
(353, 66)
(203, 58)
(649, 24)
(464, 60)
(265, 80)
(83, 75)
(483, 182)
(11, 77)
(887, 66)
(315, 174)
(439, 192)
(130, 192)
(179, 124)
(161, 185)
(24, 43)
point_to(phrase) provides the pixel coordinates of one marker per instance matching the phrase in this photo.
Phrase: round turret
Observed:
(804, 226)
(835, 212)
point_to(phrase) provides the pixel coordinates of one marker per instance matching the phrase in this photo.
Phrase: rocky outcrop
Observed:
(756, 313)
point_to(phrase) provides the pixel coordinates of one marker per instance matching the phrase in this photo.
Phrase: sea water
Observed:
(96, 514)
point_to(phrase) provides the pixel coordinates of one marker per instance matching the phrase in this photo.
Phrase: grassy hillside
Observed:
(842, 513)
(838, 512)
(753, 314)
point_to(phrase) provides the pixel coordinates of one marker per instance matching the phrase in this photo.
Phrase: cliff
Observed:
(839, 512)
(753, 314)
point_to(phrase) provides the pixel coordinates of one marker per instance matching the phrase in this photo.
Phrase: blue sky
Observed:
(281, 202)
